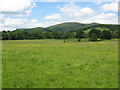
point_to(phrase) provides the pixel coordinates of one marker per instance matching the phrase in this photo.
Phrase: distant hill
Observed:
(30, 29)
(73, 26)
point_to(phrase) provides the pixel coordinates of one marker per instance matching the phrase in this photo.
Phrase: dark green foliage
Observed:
(4, 35)
(62, 31)
(79, 39)
(118, 33)
(93, 37)
(57, 34)
(48, 35)
(106, 34)
(94, 34)
(80, 34)
(38, 34)
(70, 35)
(70, 26)
(115, 34)
(73, 26)
(64, 41)
(0, 35)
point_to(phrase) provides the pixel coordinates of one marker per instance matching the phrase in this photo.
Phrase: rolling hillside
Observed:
(63, 30)
(70, 26)
(74, 26)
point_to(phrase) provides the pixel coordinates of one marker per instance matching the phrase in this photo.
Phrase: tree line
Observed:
(94, 34)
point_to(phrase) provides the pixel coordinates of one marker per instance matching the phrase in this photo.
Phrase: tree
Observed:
(86, 35)
(57, 34)
(0, 35)
(118, 33)
(4, 37)
(70, 35)
(106, 34)
(36, 34)
(93, 37)
(94, 34)
(115, 34)
(80, 34)
(48, 35)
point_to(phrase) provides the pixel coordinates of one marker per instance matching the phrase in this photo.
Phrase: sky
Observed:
(34, 13)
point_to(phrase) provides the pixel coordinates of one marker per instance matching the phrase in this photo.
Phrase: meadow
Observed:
(55, 64)
(0, 64)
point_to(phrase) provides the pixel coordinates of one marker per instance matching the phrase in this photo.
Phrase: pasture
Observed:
(0, 64)
(55, 64)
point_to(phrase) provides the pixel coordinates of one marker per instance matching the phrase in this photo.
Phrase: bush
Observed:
(94, 34)
(79, 39)
(93, 37)
(106, 34)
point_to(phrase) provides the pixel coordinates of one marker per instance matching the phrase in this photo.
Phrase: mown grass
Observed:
(54, 64)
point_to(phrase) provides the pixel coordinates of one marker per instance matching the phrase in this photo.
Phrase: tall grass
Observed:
(54, 64)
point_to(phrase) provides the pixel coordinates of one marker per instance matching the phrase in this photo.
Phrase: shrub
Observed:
(79, 39)
(93, 37)
(106, 34)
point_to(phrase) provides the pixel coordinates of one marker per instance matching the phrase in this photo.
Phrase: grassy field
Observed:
(0, 64)
(54, 64)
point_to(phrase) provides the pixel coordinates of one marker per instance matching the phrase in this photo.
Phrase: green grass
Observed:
(54, 64)
(0, 64)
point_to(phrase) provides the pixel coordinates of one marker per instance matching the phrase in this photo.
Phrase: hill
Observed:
(73, 27)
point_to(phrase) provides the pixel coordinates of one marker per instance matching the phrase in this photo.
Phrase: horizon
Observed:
(45, 14)
(58, 24)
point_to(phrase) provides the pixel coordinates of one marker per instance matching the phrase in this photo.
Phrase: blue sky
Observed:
(46, 8)
(44, 14)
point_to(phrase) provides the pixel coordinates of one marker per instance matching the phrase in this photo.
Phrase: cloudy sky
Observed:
(27, 14)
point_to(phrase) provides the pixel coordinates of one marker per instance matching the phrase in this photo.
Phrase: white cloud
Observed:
(104, 18)
(27, 13)
(86, 12)
(20, 7)
(13, 23)
(70, 8)
(71, 11)
(34, 20)
(2, 16)
(110, 7)
(17, 8)
(10, 22)
(74, 13)
(107, 16)
(51, 0)
(53, 16)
